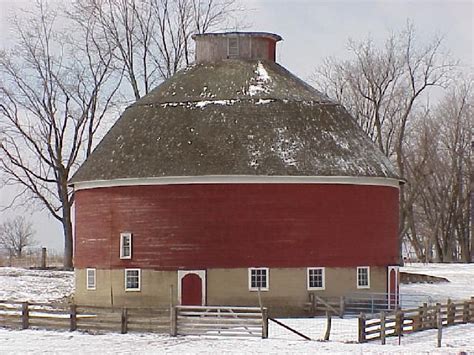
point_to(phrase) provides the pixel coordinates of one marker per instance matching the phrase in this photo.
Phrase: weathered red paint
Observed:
(191, 290)
(201, 226)
(271, 49)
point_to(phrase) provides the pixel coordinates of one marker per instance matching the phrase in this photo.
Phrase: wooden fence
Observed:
(32, 257)
(76, 317)
(407, 321)
(220, 321)
(182, 320)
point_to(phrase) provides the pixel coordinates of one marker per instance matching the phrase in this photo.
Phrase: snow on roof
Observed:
(234, 117)
(258, 84)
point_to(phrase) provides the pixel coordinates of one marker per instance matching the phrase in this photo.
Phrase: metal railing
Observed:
(372, 302)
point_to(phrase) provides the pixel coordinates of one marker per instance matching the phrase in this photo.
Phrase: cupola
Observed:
(212, 47)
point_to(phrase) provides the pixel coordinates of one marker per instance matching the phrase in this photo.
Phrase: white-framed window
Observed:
(90, 279)
(259, 279)
(125, 245)
(132, 279)
(232, 47)
(316, 278)
(363, 277)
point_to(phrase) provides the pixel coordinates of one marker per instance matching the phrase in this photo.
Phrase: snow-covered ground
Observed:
(35, 285)
(39, 286)
(460, 287)
(455, 340)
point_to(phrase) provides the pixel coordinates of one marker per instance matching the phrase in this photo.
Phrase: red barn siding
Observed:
(238, 225)
(271, 50)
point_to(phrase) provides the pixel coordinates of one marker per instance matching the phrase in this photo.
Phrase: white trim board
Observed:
(389, 284)
(239, 179)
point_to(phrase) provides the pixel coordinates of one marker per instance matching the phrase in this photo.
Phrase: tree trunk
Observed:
(68, 241)
(66, 219)
(439, 251)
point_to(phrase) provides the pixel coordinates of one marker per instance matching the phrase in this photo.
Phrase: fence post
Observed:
(72, 317)
(362, 337)
(382, 327)
(439, 323)
(174, 321)
(264, 323)
(450, 311)
(471, 310)
(43, 258)
(417, 320)
(342, 306)
(399, 323)
(25, 314)
(328, 326)
(465, 312)
(424, 317)
(437, 315)
(453, 313)
(124, 320)
(399, 319)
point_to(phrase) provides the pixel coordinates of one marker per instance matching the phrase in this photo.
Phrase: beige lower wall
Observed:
(287, 287)
(110, 289)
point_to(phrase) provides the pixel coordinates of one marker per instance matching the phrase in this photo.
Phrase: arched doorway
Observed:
(393, 291)
(192, 287)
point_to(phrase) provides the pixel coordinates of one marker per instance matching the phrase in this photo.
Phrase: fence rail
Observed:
(220, 321)
(363, 302)
(182, 320)
(25, 315)
(412, 320)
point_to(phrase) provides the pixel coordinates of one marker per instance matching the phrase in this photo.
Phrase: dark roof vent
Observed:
(212, 47)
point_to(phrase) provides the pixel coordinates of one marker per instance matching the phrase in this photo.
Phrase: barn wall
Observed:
(238, 225)
(110, 289)
(288, 287)
(212, 49)
(287, 293)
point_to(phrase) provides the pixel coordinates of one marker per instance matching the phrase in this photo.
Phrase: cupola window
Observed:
(233, 47)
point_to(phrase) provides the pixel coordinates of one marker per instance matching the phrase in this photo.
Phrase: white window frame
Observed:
(368, 277)
(94, 278)
(139, 280)
(323, 276)
(122, 238)
(267, 271)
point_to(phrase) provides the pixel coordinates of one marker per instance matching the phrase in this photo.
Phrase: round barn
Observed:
(233, 178)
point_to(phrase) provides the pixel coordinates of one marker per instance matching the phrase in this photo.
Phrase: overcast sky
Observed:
(311, 31)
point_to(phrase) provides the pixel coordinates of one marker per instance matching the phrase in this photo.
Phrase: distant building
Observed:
(233, 176)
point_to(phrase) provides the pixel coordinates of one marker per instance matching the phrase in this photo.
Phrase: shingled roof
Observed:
(234, 117)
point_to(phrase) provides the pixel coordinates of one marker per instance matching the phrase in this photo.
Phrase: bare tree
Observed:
(381, 87)
(59, 83)
(15, 235)
(54, 94)
(441, 162)
(151, 39)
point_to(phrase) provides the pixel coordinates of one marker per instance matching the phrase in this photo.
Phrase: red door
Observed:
(191, 290)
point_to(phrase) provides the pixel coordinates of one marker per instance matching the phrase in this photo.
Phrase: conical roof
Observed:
(234, 117)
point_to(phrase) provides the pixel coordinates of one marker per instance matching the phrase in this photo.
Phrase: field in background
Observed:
(32, 258)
